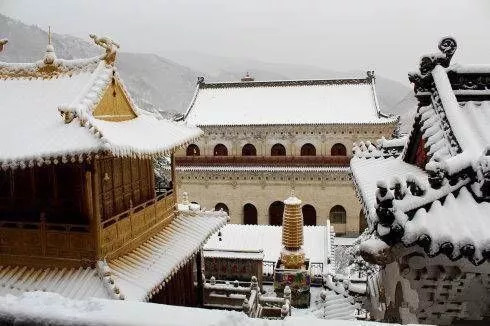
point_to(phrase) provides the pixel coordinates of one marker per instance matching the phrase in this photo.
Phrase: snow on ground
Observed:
(42, 308)
(335, 306)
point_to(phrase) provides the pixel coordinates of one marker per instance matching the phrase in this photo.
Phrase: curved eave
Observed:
(262, 168)
(380, 123)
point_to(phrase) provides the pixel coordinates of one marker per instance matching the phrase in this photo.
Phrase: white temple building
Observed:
(263, 138)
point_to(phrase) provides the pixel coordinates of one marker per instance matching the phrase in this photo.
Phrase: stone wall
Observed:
(419, 289)
(322, 190)
(293, 137)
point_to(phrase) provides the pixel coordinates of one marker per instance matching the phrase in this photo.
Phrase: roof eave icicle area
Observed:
(80, 111)
(388, 120)
(80, 157)
(272, 103)
(417, 214)
(285, 83)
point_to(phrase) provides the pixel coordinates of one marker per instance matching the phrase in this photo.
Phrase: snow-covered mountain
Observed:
(157, 83)
(154, 82)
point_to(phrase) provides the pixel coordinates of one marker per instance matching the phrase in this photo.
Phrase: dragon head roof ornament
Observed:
(109, 45)
(422, 79)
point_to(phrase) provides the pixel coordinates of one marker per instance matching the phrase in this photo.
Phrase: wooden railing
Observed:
(124, 232)
(40, 243)
(263, 160)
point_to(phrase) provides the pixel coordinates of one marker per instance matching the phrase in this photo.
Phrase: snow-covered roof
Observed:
(382, 148)
(440, 214)
(344, 241)
(437, 194)
(261, 168)
(47, 114)
(456, 134)
(134, 276)
(139, 274)
(234, 254)
(368, 172)
(458, 224)
(343, 101)
(268, 238)
(49, 308)
(73, 283)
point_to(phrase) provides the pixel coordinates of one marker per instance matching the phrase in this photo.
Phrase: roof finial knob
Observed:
(247, 78)
(370, 75)
(109, 45)
(3, 41)
(50, 55)
(185, 198)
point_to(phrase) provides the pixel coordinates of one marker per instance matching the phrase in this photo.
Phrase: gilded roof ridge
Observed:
(51, 67)
(40, 69)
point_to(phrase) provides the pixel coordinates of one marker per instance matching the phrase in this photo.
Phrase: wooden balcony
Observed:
(126, 231)
(41, 243)
(263, 160)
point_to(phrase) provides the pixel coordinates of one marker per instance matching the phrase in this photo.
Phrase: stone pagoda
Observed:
(292, 268)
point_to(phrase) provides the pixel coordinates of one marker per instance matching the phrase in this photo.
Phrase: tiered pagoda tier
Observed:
(292, 269)
(292, 255)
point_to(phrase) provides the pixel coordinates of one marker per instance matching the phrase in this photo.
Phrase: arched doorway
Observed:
(276, 210)
(338, 150)
(220, 150)
(249, 214)
(249, 150)
(221, 206)
(338, 215)
(308, 150)
(362, 221)
(193, 150)
(309, 214)
(278, 150)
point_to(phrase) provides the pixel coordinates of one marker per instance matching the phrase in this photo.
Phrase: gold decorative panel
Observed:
(114, 106)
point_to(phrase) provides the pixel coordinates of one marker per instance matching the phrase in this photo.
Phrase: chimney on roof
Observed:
(247, 78)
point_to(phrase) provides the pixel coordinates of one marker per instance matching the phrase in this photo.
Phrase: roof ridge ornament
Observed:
(3, 42)
(371, 76)
(247, 78)
(109, 45)
(447, 46)
(422, 79)
(50, 55)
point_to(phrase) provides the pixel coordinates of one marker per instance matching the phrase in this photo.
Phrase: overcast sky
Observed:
(386, 35)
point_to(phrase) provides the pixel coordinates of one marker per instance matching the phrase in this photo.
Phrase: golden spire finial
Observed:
(50, 55)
